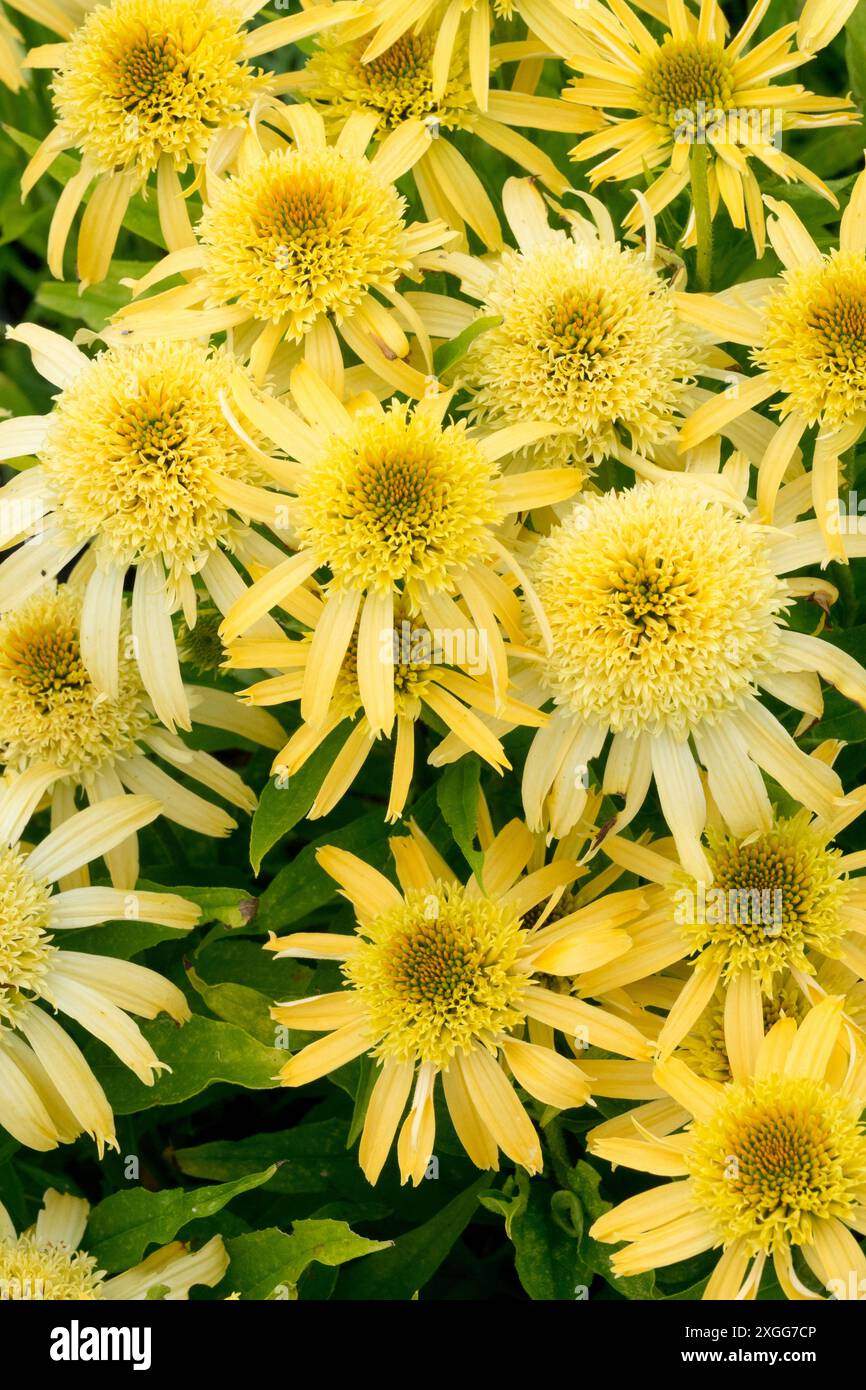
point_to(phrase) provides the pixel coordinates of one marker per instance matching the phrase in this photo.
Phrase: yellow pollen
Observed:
(25, 946)
(50, 711)
(662, 608)
(398, 498)
(397, 86)
(778, 1155)
(588, 339)
(30, 1271)
(438, 975)
(686, 76)
(128, 450)
(774, 899)
(304, 234)
(815, 339)
(143, 78)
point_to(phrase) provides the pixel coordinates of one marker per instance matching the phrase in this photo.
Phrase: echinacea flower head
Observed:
(52, 711)
(782, 905)
(145, 86)
(297, 245)
(666, 610)
(552, 21)
(440, 980)
(409, 85)
(129, 467)
(47, 1262)
(405, 511)
(443, 671)
(694, 90)
(771, 1164)
(587, 337)
(806, 335)
(49, 1093)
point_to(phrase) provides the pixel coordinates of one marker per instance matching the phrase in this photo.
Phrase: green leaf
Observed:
(303, 886)
(199, 1053)
(285, 801)
(447, 355)
(99, 302)
(231, 906)
(400, 1272)
(457, 796)
(584, 1183)
(271, 1262)
(238, 1004)
(547, 1254)
(312, 1159)
(122, 1227)
(855, 51)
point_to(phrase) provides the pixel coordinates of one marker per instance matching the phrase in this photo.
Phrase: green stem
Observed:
(558, 1151)
(699, 162)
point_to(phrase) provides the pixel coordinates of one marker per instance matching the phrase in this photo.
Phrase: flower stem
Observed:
(699, 162)
(558, 1151)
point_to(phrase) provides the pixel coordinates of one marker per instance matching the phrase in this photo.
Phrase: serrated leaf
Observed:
(123, 1226)
(272, 1261)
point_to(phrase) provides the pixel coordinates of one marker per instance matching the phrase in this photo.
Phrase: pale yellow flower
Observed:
(769, 1164)
(587, 337)
(696, 94)
(409, 515)
(47, 1262)
(131, 461)
(806, 335)
(150, 86)
(302, 244)
(49, 1092)
(666, 620)
(441, 979)
(51, 711)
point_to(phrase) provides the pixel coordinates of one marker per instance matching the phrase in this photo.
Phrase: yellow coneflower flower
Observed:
(144, 87)
(780, 902)
(406, 512)
(49, 1093)
(587, 337)
(61, 16)
(132, 459)
(47, 1262)
(553, 21)
(441, 981)
(433, 670)
(51, 711)
(400, 85)
(306, 238)
(806, 334)
(770, 1165)
(702, 106)
(666, 613)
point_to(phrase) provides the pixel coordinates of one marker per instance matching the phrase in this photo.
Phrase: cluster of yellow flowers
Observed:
(404, 452)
